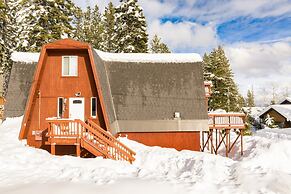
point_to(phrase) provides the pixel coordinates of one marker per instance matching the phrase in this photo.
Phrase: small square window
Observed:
(70, 66)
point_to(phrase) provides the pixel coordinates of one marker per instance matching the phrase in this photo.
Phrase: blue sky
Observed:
(256, 35)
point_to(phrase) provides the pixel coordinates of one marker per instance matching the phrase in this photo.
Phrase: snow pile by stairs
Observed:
(265, 168)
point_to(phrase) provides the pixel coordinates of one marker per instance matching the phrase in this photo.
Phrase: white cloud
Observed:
(185, 36)
(265, 66)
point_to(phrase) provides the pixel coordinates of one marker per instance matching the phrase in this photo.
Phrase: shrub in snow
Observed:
(269, 122)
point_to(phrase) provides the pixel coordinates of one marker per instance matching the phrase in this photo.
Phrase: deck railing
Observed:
(90, 136)
(220, 125)
(60, 128)
(226, 120)
(112, 141)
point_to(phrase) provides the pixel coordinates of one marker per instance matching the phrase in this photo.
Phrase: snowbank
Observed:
(25, 57)
(265, 168)
(150, 58)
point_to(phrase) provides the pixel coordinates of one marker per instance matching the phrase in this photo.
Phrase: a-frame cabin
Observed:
(66, 85)
(80, 99)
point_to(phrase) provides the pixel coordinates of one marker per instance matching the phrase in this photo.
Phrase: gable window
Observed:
(60, 107)
(93, 107)
(70, 66)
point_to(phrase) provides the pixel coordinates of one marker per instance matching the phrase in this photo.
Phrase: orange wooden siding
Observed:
(177, 140)
(53, 85)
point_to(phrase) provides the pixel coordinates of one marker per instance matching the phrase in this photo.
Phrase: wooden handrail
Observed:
(87, 132)
(108, 134)
(226, 120)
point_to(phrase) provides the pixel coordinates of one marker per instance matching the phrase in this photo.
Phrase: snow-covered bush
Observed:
(269, 122)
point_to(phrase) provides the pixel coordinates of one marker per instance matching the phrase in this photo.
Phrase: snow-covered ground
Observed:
(265, 168)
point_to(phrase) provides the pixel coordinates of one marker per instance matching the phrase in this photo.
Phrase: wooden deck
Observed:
(89, 136)
(219, 134)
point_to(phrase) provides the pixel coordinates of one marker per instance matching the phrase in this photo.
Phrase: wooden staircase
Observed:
(89, 136)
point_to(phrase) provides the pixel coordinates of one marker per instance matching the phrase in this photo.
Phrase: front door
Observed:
(77, 108)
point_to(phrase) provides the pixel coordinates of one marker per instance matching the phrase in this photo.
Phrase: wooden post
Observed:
(227, 142)
(202, 148)
(78, 150)
(53, 148)
(241, 142)
(211, 140)
(216, 143)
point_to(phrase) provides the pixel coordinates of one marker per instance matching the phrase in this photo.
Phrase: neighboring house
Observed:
(280, 113)
(287, 100)
(155, 99)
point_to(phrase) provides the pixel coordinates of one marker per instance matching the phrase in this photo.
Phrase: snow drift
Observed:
(265, 168)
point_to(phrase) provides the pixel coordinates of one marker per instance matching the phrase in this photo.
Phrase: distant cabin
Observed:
(155, 99)
(287, 100)
(281, 114)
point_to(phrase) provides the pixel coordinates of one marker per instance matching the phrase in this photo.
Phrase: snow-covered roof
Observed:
(150, 58)
(253, 111)
(285, 99)
(284, 110)
(123, 57)
(25, 57)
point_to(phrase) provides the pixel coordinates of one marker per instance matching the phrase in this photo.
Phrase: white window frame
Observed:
(70, 58)
(91, 112)
(58, 109)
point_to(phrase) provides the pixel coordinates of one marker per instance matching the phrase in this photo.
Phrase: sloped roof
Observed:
(284, 110)
(150, 57)
(287, 99)
(133, 86)
(25, 57)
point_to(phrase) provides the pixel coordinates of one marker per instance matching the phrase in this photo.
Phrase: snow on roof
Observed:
(123, 57)
(25, 57)
(253, 111)
(284, 110)
(150, 58)
(287, 98)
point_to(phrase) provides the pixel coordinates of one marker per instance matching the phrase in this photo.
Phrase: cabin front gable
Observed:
(64, 86)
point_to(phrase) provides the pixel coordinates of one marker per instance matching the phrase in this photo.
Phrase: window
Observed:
(60, 107)
(77, 101)
(93, 107)
(70, 66)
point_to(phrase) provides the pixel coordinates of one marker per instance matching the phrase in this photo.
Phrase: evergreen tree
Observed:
(96, 29)
(250, 98)
(225, 93)
(7, 40)
(78, 23)
(157, 46)
(89, 27)
(131, 28)
(109, 35)
(45, 20)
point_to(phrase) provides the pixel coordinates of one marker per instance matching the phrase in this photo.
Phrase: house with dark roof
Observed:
(77, 98)
(286, 100)
(280, 113)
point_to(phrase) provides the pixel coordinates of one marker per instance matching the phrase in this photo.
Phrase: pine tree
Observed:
(225, 93)
(45, 20)
(96, 29)
(7, 40)
(131, 28)
(250, 98)
(89, 27)
(78, 23)
(157, 46)
(109, 35)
